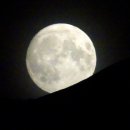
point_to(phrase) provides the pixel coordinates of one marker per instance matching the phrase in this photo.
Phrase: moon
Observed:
(59, 56)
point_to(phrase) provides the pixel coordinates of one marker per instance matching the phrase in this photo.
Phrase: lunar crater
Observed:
(49, 75)
(75, 53)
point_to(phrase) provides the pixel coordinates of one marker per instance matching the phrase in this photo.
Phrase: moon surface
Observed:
(59, 56)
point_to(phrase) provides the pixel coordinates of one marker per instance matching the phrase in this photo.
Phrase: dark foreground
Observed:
(98, 102)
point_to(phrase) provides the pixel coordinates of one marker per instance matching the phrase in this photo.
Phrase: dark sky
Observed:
(106, 23)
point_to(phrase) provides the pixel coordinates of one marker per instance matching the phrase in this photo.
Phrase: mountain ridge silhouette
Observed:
(116, 74)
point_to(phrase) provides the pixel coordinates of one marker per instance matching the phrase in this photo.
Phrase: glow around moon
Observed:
(59, 56)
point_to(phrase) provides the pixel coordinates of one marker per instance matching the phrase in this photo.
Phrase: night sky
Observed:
(105, 22)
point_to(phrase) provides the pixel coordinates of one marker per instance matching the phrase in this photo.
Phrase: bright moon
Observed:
(59, 56)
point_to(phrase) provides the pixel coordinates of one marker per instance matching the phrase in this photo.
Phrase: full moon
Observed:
(59, 56)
